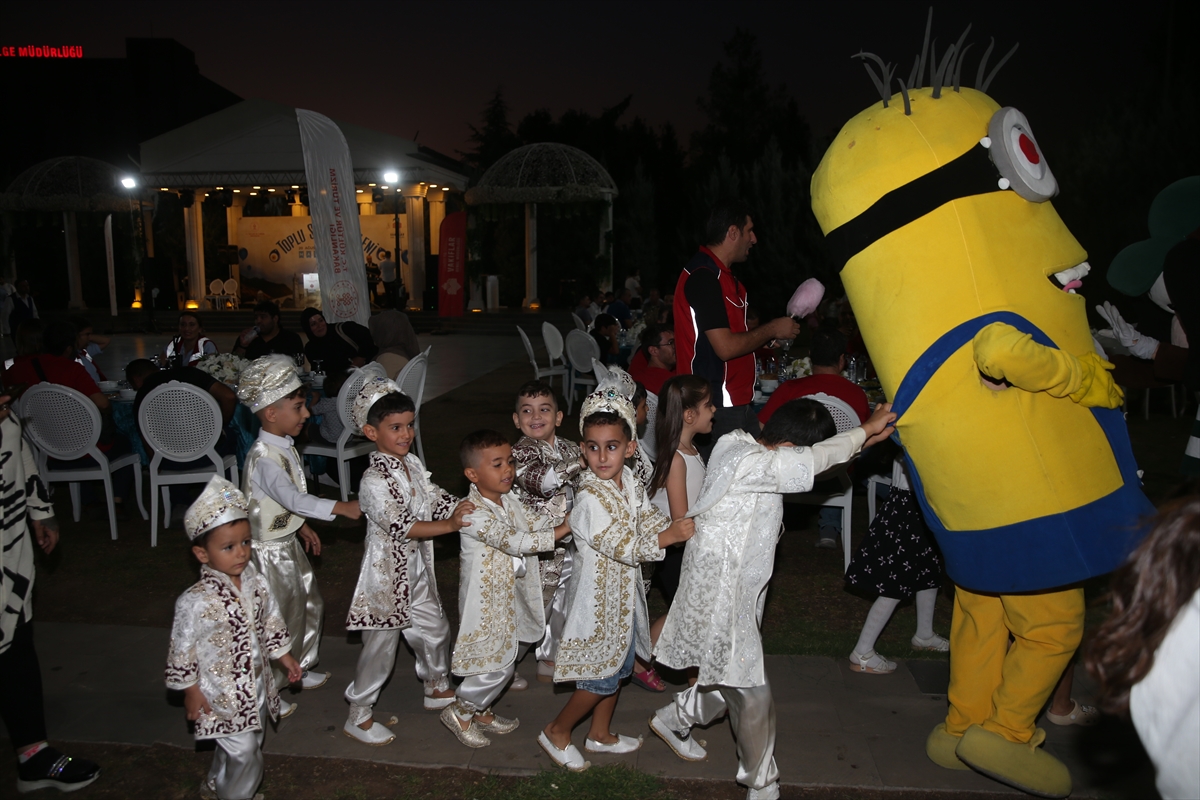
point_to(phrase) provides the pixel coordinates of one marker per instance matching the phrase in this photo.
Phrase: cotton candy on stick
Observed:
(805, 299)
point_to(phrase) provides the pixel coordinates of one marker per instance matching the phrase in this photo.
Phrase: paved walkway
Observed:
(104, 683)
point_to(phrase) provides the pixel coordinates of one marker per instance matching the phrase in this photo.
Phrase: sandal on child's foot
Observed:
(871, 663)
(567, 758)
(935, 643)
(1081, 715)
(471, 737)
(623, 744)
(649, 680)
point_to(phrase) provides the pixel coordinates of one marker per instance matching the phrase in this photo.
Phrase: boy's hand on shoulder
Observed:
(349, 509)
(312, 542)
(459, 515)
(195, 703)
(880, 424)
(561, 531)
(294, 671)
(680, 531)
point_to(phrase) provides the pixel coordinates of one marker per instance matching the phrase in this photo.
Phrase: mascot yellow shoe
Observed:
(935, 202)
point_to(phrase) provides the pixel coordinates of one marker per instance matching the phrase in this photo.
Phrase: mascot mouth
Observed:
(1071, 279)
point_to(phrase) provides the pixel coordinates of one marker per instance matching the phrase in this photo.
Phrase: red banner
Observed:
(452, 265)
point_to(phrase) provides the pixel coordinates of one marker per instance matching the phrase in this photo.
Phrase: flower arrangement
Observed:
(801, 367)
(225, 367)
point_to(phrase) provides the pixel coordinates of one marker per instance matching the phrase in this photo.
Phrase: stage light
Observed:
(128, 183)
(391, 177)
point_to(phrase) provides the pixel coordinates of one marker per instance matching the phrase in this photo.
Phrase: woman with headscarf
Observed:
(396, 339)
(337, 347)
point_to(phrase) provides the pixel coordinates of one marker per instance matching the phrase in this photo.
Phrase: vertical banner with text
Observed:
(452, 262)
(334, 208)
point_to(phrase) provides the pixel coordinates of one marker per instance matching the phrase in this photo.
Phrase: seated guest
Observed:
(396, 340)
(584, 309)
(269, 338)
(652, 309)
(828, 353)
(56, 364)
(655, 361)
(619, 309)
(604, 331)
(144, 377)
(89, 345)
(190, 345)
(28, 337)
(338, 346)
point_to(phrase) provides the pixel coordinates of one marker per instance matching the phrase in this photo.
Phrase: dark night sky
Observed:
(401, 67)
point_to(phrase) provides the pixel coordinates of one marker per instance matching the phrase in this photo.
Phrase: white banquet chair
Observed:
(411, 381)
(64, 424)
(579, 323)
(554, 346)
(347, 446)
(844, 419)
(538, 371)
(159, 419)
(581, 350)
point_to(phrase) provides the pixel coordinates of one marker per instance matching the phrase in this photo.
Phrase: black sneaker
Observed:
(51, 769)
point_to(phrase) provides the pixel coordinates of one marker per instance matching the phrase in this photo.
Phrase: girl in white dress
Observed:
(685, 409)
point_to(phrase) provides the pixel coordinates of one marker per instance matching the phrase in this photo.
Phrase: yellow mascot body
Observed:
(962, 278)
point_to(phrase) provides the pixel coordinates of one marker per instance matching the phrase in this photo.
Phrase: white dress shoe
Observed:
(286, 709)
(518, 684)
(314, 680)
(377, 735)
(681, 742)
(624, 744)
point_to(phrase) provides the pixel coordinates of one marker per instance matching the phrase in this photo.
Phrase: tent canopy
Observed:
(258, 142)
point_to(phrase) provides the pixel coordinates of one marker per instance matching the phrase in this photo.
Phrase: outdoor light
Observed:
(433, 186)
(128, 183)
(253, 194)
(383, 187)
(270, 190)
(391, 177)
(295, 186)
(164, 189)
(136, 304)
(193, 304)
(370, 184)
(237, 191)
(219, 188)
(359, 191)
(257, 187)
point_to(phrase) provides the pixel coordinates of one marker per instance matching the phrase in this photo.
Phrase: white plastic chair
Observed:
(579, 323)
(343, 449)
(581, 349)
(541, 372)
(231, 291)
(64, 424)
(844, 419)
(181, 423)
(554, 345)
(411, 381)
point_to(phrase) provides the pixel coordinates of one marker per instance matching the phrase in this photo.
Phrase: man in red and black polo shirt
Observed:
(711, 335)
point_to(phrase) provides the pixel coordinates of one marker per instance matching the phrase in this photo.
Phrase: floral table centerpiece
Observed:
(225, 367)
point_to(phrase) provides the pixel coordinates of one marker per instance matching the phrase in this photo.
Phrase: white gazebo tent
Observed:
(545, 172)
(257, 143)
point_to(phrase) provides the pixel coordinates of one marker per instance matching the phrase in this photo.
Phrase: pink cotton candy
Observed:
(806, 299)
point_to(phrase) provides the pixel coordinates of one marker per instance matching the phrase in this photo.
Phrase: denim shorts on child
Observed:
(606, 686)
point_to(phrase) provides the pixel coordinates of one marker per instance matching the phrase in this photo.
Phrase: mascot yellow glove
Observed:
(1004, 353)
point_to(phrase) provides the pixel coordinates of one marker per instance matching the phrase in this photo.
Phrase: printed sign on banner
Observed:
(335, 230)
(276, 254)
(452, 261)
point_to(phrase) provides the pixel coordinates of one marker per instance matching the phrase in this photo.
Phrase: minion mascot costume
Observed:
(963, 279)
